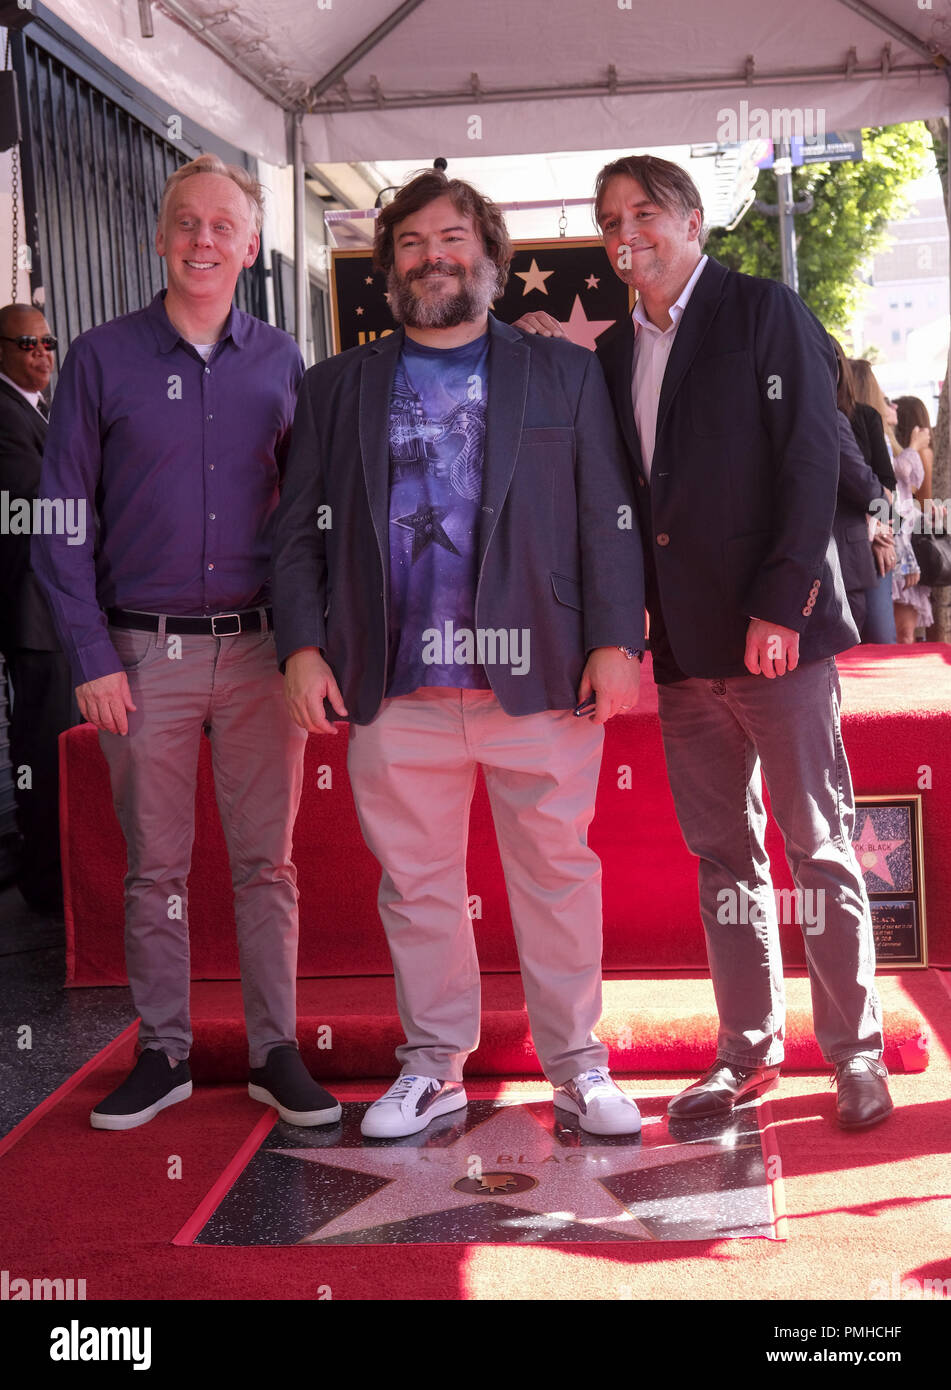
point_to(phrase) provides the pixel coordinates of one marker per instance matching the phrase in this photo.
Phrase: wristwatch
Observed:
(630, 653)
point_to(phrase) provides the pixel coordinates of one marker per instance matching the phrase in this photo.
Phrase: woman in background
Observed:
(853, 527)
(873, 431)
(912, 600)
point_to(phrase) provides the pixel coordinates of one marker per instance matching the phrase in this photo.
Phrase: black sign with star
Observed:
(569, 277)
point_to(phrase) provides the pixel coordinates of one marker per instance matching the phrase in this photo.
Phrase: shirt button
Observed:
(212, 467)
(211, 567)
(207, 371)
(663, 538)
(211, 516)
(209, 417)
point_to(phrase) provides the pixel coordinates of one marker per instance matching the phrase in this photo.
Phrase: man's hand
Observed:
(308, 681)
(771, 650)
(615, 681)
(540, 322)
(104, 702)
(883, 548)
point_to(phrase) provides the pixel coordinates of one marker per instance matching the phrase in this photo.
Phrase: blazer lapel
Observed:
(376, 388)
(621, 370)
(697, 317)
(509, 359)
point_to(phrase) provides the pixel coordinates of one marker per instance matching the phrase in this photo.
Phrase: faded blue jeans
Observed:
(720, 738)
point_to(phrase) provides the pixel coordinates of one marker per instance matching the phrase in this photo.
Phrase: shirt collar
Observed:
(167, 335)
(32, 396)
(676, 309)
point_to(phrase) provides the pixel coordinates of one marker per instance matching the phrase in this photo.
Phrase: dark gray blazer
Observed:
(25, 618)
(555, 555)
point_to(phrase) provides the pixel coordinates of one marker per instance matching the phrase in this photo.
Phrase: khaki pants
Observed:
(232, 686)
(413, 772)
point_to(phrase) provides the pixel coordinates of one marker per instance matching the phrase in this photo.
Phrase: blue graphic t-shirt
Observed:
(437, 437)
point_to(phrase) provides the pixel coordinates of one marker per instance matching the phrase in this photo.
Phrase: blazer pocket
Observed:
(553, 445)
(547, 434)
(567, 591)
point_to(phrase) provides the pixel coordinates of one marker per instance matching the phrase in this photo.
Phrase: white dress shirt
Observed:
(32, 396)
(652, 348)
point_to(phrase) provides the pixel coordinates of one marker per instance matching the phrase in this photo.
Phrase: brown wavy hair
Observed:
(423, 189)
(664, 182)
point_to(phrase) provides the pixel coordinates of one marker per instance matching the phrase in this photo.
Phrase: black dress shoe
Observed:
(285, 1083)
(722, 1087)
(862, 1097)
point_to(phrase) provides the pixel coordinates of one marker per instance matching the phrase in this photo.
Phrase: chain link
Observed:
(14, 196)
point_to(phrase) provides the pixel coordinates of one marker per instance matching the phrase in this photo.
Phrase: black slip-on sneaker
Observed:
(285, 1083)
(151, 1086)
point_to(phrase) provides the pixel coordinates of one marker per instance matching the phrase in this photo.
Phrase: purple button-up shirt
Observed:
(178, 464)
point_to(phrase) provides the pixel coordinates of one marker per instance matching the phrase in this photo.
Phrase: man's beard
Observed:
(475, 290)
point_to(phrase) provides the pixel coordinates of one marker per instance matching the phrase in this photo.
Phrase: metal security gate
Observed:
(92, 180)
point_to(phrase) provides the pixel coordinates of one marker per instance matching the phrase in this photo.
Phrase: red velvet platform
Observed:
(897, 718)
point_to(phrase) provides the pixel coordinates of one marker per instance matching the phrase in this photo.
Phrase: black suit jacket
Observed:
(737, 515)
(858, 489)
(555, 557)
(25, 619)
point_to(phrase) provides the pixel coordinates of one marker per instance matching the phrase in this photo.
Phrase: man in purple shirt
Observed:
(170, 431)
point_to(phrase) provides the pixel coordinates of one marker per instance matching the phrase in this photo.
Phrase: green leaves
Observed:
(853, 204)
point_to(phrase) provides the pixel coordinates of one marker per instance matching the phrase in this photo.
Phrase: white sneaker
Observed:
(409, 1106)
(599, 1102)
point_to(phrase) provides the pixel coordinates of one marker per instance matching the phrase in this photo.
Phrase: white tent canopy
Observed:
(380, 80)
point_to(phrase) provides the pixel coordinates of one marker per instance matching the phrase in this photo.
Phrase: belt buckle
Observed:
(223, 618)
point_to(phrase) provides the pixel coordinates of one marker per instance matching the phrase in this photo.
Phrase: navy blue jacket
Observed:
(737, 516)
(555, 555)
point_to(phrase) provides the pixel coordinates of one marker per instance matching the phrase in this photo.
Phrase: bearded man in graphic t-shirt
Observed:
(474, 585)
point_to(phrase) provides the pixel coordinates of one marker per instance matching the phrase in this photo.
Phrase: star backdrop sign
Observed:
(569, 277)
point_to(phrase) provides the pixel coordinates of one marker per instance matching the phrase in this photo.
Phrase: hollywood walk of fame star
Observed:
(593, 281)
(571, 1181)
(426, 526)
(582, 330)
(873, 852)
(534, 278)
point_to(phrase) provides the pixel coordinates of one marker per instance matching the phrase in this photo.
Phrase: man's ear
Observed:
(254, 246)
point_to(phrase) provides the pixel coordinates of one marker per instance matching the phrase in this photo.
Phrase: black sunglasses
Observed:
(26, 341)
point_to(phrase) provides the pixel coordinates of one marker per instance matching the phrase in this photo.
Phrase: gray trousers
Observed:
(232, 687)
(413, 772)
(720, 737)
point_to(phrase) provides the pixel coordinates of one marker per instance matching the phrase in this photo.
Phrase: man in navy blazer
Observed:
(454, 570)
(724, 389)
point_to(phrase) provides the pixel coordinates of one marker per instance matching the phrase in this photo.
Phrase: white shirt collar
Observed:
(32, 396)
(676, 309)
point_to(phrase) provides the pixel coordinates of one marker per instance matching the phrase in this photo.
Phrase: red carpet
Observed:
(651, 1025)
(897, 720)
(863, 1209)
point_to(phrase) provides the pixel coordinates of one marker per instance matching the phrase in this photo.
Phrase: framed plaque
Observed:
(887, 840)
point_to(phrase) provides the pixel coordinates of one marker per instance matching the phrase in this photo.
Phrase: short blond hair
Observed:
(211, 164)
